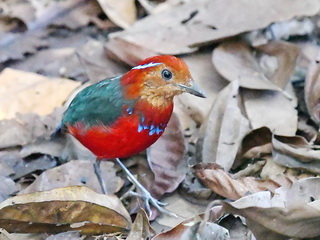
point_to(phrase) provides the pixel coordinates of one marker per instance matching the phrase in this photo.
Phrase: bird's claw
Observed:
(149, 200)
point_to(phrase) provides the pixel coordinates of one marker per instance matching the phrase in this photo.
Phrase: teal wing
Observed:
(102, 102)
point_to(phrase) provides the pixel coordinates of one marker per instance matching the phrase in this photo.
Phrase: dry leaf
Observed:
(70, 13)
(27, 167)
(37, 15)
(286, 215)
(52, 62)
(64, 209)
(166, 159)
(236, 227)
(235, 60)
(26, 92)
(26, 128)
(128, 52)
(222, 133)
(80, 16)
(141, 228)
(184, 26)
(65, 62)
(286, 54)
(225, 185)
(312, 88)
(97, 64)
(182, 207)
(17, 9)
(121, 12)
(7, 187)
(252, 145)
(74, 235)
(271, 109)
(193, 111)
(13, 46)
(195, 228)
(295, 152)
(76, 172)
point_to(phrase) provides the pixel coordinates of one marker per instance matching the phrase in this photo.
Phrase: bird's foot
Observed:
(145, 194)
(97, 171)
(150, 201)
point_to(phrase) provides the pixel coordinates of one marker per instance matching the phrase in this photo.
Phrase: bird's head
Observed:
(158, 79)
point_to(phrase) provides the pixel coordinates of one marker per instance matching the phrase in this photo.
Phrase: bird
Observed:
(119, 117)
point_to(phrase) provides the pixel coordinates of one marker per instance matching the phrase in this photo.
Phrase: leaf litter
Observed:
(241, 164)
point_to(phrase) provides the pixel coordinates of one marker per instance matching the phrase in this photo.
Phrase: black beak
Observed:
(193, 89)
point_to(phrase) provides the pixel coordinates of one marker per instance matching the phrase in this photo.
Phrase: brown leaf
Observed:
(183, 27)
(24, 167)
(128, 52)
(225, 185)
(193, 111)
(286, 54)
(312, 88)
(22, 10)
(37, 16)
(98, 65)
(271, 109)
(286, 215)
(195, 228)
(7, 187)
(64, 209)
(66, 236)
(181, 206)
(253, 142)
(235, 60)
(222, 132)
(52, 62)
(141, 228)
(295, 152)
(81, 16)
(76, 172)
(166, 159)
(12, 49)
(26, 128)
(24, 92)
(123, 13)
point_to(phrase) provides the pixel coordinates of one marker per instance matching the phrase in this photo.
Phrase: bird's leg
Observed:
(145, 194)
(97, 171)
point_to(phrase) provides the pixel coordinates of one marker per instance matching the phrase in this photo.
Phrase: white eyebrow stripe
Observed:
(146, 65)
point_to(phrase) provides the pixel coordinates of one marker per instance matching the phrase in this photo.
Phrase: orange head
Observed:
(158, 79)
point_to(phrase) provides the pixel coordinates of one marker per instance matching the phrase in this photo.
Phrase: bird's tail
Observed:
(57, 133)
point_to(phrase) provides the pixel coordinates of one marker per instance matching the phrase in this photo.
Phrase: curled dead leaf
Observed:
(76, 172)
(235, 60)
(123, 13)
(35, 93)
(27, 129)
(312, 88)
(128, 52)
(141, 228)
(166, 159)
(222, 132)
(286, 54)
(296, 152)
(183, 27)
(252, 145)
(227, 186)
(64, 209)
(197, 227)
(271, 109)
(286, 215)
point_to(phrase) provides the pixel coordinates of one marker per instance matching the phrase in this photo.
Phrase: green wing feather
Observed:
(102, 102)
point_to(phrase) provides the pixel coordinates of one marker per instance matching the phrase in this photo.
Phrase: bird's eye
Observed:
(166, 74)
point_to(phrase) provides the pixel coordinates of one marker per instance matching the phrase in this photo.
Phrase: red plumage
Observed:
(122, 139)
